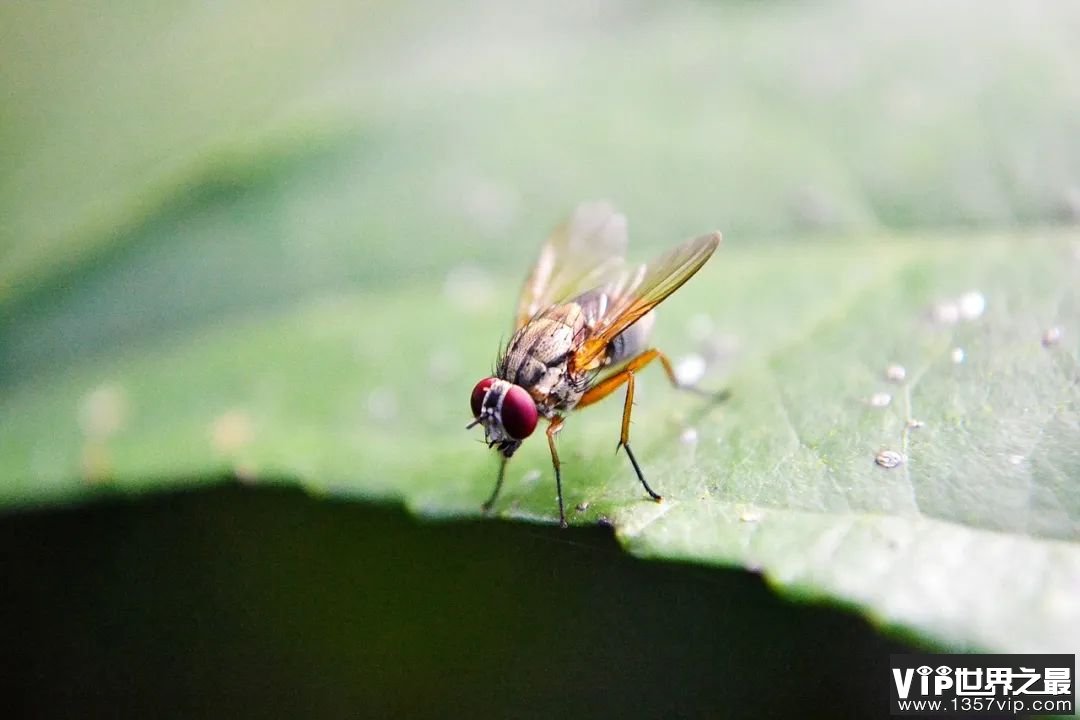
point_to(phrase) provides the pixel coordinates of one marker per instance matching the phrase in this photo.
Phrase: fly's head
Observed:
(507, 412)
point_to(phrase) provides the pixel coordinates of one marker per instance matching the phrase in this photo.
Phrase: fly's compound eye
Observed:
(518, 413)
(478, 394)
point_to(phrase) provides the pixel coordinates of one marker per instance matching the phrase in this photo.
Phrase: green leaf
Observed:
(971, 541)
(308, 296)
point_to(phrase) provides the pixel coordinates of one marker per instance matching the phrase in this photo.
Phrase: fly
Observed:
(581, 332)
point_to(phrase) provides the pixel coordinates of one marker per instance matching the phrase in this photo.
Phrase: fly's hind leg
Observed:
(669, 370)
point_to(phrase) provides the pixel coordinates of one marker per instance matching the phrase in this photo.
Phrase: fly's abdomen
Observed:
(632, 341)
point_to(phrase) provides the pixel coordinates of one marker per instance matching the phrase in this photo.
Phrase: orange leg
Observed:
(610, 384)
(553, 429)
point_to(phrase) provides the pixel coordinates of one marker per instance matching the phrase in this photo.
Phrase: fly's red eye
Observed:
(478, 393)
(518, 413)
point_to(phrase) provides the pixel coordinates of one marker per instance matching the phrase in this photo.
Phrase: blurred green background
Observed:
(281, 243)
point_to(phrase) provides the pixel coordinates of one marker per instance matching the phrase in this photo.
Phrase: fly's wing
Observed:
(632, 295)
(582, 253)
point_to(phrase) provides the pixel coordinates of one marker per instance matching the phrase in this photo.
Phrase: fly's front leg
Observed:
(498, 485)
(553, 429)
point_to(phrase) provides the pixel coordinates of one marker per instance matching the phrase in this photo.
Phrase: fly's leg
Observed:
(553, 429)
(626, 375)
(610, 384)
(606, 386)
(624, 435)
(498, 485)
(669, 370)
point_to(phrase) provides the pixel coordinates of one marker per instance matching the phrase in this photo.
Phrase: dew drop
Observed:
(972, 304)
(690, 370)
(889, 459)
(1052, 337)
(895, 373)
(947, 312)
(957, 355)
(689, 436)
(750, 515)
(880, 399)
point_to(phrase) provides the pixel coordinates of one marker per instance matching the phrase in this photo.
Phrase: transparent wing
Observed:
(582, 253)
(633, 294)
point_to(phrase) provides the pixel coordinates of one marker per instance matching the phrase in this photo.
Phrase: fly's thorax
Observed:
(538, 356)
(562, 393)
